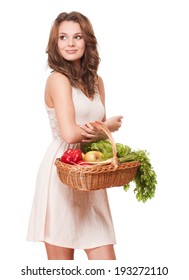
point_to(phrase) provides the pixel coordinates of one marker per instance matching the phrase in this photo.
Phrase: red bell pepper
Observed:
(71, 156)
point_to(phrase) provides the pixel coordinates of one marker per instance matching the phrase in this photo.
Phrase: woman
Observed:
(65, 219)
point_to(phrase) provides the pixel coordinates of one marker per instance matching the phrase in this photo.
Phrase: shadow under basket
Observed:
(98, 176)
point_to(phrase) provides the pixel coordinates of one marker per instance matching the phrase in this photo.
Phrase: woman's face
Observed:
(71, 44)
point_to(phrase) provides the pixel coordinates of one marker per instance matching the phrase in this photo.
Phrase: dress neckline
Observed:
(88, 98)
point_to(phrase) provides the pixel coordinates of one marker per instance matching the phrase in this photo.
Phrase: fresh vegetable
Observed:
(71, 156)
(105, 147)
(146, 178)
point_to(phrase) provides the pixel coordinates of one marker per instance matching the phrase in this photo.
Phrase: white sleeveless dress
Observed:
(62, 216)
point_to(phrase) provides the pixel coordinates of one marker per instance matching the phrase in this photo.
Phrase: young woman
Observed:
(62, 218)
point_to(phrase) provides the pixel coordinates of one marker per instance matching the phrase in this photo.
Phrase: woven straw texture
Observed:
(98, 176)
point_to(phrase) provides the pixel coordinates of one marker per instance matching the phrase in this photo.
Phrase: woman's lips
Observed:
(71, 51)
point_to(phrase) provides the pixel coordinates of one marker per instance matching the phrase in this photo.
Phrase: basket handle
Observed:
(108, 133)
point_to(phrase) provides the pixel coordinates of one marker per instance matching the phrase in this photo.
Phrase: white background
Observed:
(144, 54)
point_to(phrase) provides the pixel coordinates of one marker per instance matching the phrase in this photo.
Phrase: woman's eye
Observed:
(78, 37)
(62, 37)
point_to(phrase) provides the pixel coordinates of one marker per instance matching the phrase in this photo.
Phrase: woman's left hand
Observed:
(92, 133)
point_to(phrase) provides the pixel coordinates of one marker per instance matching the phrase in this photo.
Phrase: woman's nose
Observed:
(71, 42)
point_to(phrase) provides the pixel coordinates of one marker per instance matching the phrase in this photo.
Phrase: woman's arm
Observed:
(59, 91)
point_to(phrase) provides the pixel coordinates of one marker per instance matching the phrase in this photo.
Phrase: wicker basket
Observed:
(99, 176)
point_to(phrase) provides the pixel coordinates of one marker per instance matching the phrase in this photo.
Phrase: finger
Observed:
(120, 117)
(86, 141)
(89, 139)
(86, 129)
(88, 125)
(89, 134)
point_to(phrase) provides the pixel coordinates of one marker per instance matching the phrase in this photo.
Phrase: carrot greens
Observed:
(145, 180)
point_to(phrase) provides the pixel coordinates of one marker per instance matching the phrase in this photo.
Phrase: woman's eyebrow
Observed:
(64, 33)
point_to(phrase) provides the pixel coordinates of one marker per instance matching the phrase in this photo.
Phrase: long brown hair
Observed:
(86, 77)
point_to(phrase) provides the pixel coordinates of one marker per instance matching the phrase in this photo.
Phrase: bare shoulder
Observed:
(57, 86)
(57, 78)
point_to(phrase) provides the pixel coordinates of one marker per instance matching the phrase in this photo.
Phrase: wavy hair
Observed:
(86, 77)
